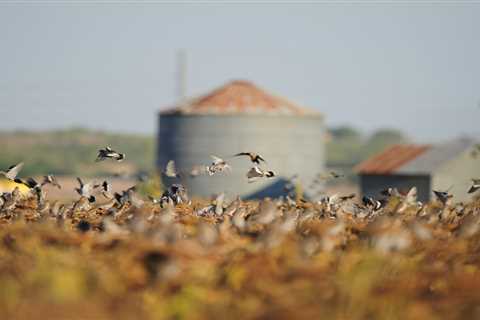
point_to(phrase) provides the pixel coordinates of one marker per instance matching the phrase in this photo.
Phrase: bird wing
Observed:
(254, 172)
(217, 160)
(171, 170)
(411, 196)
(473, 188)
(242, 154)
(13, 171)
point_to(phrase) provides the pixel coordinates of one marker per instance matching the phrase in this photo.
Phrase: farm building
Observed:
(447, 166)
(240, 117)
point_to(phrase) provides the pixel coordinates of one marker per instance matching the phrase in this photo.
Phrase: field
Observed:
(271, 259)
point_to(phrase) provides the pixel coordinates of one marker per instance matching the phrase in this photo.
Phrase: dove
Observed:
(171, 170)
(475, 186)
(254, 157)
(256, 173)
(218, 165)
(12, 171)
(109, 153)
(50, 179)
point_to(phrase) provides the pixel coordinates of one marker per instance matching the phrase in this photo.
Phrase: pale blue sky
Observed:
(413, 67)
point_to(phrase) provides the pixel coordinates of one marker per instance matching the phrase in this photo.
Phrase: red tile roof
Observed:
(390, 159)
(240, 97)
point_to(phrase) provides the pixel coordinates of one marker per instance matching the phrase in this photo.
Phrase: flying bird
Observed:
(218, 165)
(475, 186)
(50, 179)
(256, 173)
(86, 189)
(254, 157)
(109, 153)
(12, 171)
(107, 189)
(171, 170)
(442, 196)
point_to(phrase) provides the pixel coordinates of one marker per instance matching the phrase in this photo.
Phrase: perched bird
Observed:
(12, 171)
(50, 179)
(254, 157)
(86, 190)
(109, 153)
(255, 173)
(442, 196)
(171, 170)
(218, 165)
(475, 186)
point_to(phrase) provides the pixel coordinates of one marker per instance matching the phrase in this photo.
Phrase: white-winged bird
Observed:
(218, 165)
(255, 173)
(50, 179)
(442, 196)
(86, 190)
(109, 153)
(475, 186)
(171, 170)
(254, 157)
(12, 171)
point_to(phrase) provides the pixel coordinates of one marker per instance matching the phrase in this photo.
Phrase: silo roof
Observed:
(414, 159)
(240, 97)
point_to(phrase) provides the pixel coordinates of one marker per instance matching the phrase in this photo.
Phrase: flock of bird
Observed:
(177, 193)
(219, 165)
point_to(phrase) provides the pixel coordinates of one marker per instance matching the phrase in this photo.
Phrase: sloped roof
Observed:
(390, 159)
(436, 156)
(413, 159)
(239, 97)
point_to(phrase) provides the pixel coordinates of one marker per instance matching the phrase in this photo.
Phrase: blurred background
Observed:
(76, 77)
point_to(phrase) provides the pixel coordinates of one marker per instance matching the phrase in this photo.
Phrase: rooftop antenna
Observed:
(181, 75)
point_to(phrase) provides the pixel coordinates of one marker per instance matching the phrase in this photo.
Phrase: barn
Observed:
(447, 166)
(236, 117)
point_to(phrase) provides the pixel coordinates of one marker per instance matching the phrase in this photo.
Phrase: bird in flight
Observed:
(442, 196)
(12, 171)
(254, 157)
(256, 173)
(50, 179)
(218, 165)
(475, 186)
(109, 153)
(171, 170)
(86, 190)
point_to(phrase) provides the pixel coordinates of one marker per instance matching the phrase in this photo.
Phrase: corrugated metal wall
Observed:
(290, 144)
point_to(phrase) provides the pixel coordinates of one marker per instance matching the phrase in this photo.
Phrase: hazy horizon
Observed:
(112, 67)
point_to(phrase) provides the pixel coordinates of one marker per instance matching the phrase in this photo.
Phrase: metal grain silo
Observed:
(241, 117)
